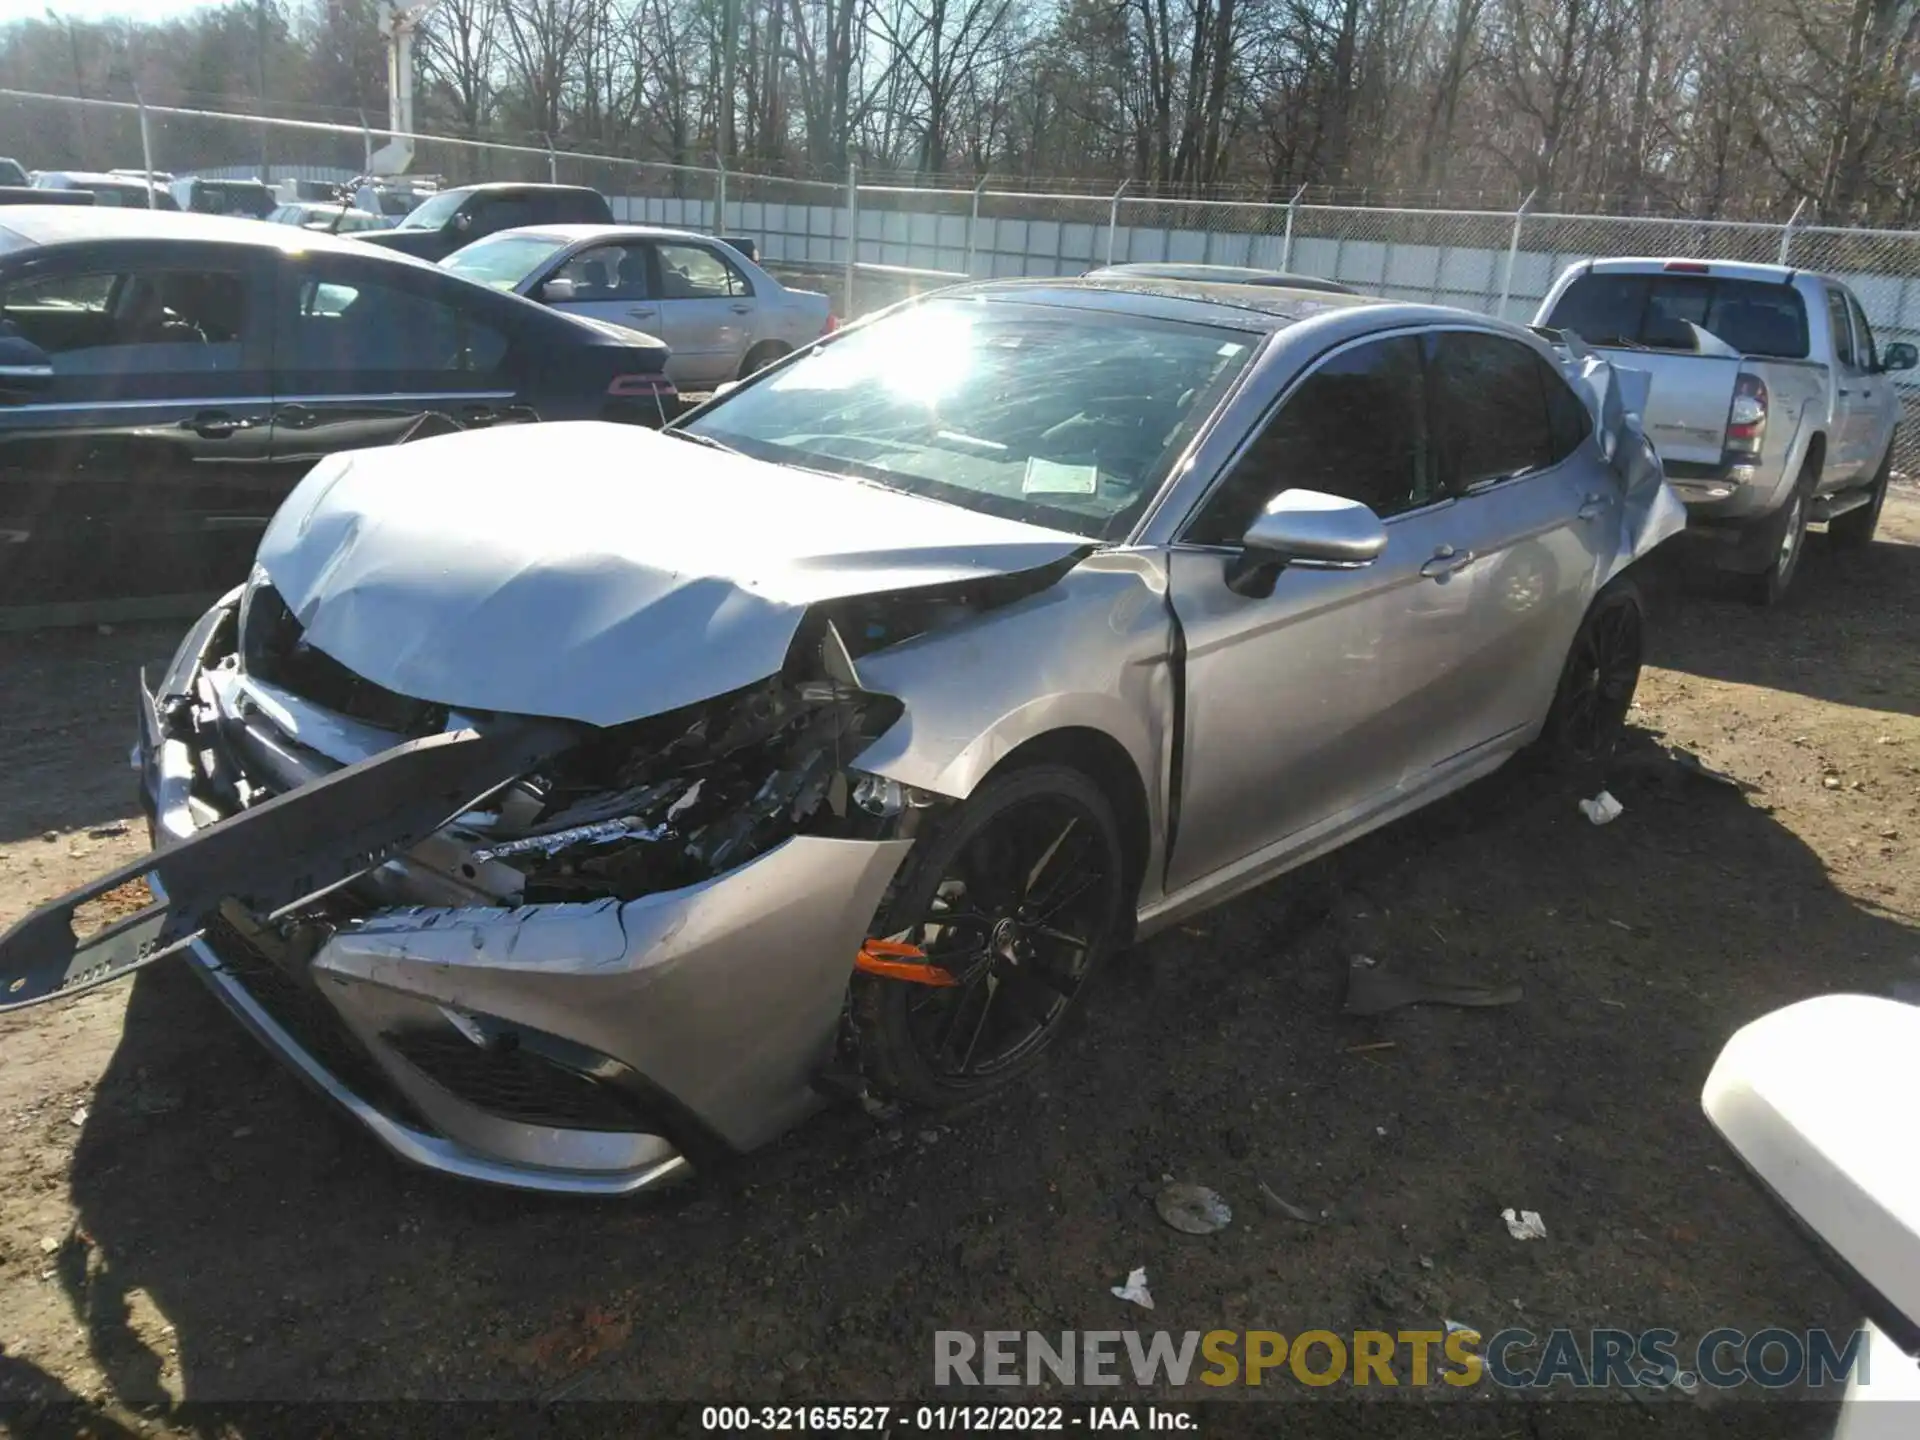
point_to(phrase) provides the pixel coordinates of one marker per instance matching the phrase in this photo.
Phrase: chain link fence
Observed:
(872, 242)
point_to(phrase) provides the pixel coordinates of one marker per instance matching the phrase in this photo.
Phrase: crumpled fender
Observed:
(1616, 396)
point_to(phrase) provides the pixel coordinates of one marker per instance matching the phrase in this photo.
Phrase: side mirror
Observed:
(23, 365)
(1812, 1099)
(1309, 529)
(557, 291)
(724, 386)
(1899, 356)
(463, 222)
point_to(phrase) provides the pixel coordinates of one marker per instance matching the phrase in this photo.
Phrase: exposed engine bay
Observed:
(679, 798)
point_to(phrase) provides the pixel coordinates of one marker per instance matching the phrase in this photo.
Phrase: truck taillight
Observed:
(833, 324)
(1747, 417)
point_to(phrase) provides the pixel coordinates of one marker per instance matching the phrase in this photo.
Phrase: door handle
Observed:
(743, 309)
(1592, 507)
(1843, 392)
(1446, 560)
(216, 424)
(645, 312)
(297, 417)
(478, 415)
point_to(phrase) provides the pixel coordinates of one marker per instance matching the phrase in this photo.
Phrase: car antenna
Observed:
(347, 192)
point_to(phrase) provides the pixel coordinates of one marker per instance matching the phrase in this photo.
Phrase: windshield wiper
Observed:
(696, 438)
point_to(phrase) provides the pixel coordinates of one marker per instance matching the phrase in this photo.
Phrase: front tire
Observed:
(1597, 684)
(1019, 895)
(1854, 530)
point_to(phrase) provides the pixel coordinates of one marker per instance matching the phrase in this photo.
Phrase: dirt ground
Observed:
(180, 1219)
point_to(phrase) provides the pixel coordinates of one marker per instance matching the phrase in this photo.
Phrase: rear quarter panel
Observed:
(1800, 406)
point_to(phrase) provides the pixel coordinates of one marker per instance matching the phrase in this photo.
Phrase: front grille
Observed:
(515, 1083)
(274, 646)
(306, 1016)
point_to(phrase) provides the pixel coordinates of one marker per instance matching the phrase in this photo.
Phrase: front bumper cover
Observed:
(594, 1048)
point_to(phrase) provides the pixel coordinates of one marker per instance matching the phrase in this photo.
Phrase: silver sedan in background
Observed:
(722, 316)
(575, 803)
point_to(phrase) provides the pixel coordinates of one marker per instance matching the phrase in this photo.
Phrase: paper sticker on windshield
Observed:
(1048, 477)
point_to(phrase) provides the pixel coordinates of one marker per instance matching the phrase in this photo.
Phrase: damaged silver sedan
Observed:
(574, 804)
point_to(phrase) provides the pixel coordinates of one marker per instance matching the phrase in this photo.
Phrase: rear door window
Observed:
(352, 321)
(1490, 420)
(1841, 325)
(1865, 351)
(1567, 417)
(693, 272)
(1755, 317)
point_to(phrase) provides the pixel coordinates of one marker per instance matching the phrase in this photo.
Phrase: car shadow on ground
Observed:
(1848, 632)
(295, 1260)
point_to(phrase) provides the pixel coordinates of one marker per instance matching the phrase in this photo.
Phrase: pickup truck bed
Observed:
(1770, 403)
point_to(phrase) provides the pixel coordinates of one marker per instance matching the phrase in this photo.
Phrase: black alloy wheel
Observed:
(1018, 899)
(1597, 687)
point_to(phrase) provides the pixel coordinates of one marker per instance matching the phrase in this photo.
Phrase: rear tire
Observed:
(1597, 684)
(1783, 537)
(1854, 530)
(761, 356)
(1019, 894)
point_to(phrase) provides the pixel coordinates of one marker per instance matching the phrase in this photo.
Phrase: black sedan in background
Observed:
(166, 379)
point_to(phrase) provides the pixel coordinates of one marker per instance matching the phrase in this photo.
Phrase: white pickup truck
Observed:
(1771, 404)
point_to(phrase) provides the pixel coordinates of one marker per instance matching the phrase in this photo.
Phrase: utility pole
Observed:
(260, 48)
(79, 79)
(729, 42)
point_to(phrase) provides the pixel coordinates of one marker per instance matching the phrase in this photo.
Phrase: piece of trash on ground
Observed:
(1527, 1225)
(1454, 1327)
(1374, 989)
(1603, 809)
(1135, 1290)
(1194, 1209)
(78, 1118)
(1287, 1208)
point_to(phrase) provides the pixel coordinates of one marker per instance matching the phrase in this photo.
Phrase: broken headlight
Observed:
(679, 798)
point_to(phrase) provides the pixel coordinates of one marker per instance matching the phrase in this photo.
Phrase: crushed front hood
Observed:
(598, 572)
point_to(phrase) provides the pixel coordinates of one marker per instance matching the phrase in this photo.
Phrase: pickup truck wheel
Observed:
(1785, 537)
(1602, 672)
(1017, 898)
(1854, 530)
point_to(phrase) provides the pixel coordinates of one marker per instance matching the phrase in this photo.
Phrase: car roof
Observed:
(94, 177)
(1222, 274)
(70, 224)
(541, 185)
(576, 233)
(1243, 307)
